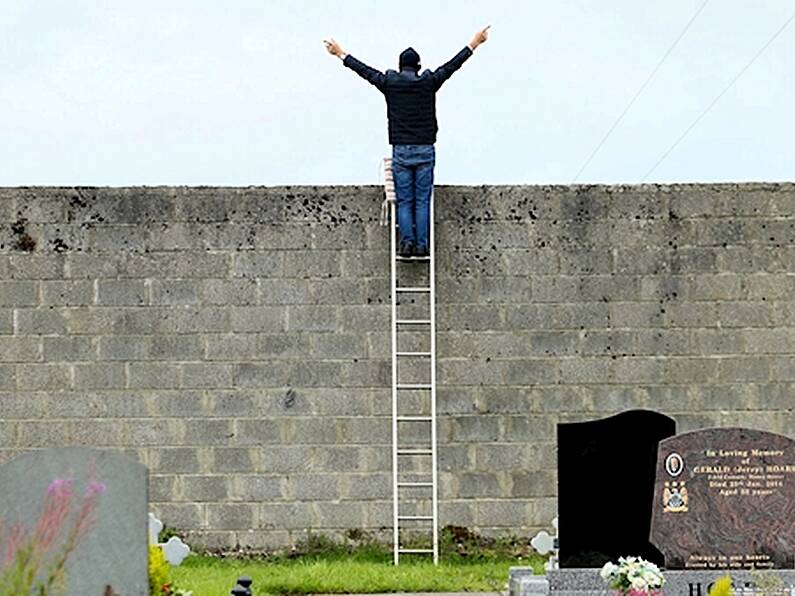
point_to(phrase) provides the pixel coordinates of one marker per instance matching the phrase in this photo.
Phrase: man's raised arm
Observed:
(445, 71)
(369, 74)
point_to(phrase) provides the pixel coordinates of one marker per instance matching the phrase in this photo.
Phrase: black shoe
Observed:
(422, 251)
(406, 249)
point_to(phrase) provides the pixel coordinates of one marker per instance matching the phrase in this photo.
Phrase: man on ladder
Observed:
(411, 112)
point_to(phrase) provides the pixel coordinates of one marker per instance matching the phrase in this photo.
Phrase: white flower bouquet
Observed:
(633, 576)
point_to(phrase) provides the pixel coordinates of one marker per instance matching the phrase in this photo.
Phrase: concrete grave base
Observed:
(586, 582)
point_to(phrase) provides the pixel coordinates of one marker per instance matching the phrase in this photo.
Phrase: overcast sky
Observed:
(242, 92)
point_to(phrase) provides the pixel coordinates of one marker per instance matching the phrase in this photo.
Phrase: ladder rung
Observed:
(399, 258)
(415, 551)
(412, 289)
(413, 386)
(413, 321)
(414, 418)
(414, 354)
(409, 484)
(415, 452)
(416, 517)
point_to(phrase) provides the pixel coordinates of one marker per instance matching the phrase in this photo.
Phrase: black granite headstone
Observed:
(606, 472)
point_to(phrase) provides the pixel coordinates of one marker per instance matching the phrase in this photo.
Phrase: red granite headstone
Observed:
(724, 498)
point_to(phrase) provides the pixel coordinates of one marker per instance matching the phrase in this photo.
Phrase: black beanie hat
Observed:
(409, 58)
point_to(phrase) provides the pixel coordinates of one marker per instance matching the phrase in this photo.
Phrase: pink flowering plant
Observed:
(34, 562)
(633, 576)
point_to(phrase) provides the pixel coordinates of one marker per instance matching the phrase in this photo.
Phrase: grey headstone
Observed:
(587, 582)
(115, 551)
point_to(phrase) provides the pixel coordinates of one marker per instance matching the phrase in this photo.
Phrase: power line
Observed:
(637, 94)
(721, 94)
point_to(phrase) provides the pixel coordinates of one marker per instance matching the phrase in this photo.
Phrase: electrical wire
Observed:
(721, 94)
(640, 90)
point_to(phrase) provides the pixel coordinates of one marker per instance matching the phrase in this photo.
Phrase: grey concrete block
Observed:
(272, 374)
(315, 487)
(8, 382)
(638, 370)
(531, 371)
(208, 430)
(344, 515)
(662, 341)
(151, 347)
(191, 264)
(718, 287)
(531, 262)
(338, 345)
(240, 346)
(203, 489)
(67, 293)
(368, 430)
(241, 292)
(36, 266)
(175, 460)
(579, 370)
(260, 489)
(480, 429)
(46, 321)
(287, 459)
(718, 341)
(343, 291)
(154, 375)
(694, 314)
(254, 432)
(285, 291)
(770, 341)
(339, 402)
(468, 318)
(69, 349)
(176, 291)
(108, 375)
(364, 318)
(179, 515)
(738, 369)
(290, 516)
(233, 459)
(6, 321)
(210, 375)
(37, 377)
(477, 485)
(312, 318)
(692, 370)
(311, 431)
(542, 483)
(122, 292)
(636, 314)
(20, 349)
(251, 319)
(496, 513)
(258, 264)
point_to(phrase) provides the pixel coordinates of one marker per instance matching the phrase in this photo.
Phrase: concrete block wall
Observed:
(235, 340)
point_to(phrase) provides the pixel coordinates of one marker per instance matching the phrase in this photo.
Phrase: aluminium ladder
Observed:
(414, 464)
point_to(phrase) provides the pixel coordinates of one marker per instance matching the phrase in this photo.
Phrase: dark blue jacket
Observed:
(410, 97)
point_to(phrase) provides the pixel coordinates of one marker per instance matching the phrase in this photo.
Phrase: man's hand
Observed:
(480, 37)
(334, 48)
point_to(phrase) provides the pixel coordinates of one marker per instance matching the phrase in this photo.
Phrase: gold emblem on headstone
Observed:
(675, 497)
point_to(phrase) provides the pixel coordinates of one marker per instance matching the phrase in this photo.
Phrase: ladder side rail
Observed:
(393, 286)
(432, 313)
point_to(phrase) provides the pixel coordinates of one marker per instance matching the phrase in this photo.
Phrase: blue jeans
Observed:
(412, 168)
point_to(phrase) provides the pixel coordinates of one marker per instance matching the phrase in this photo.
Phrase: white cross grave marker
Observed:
(545, 543)
(174, 549)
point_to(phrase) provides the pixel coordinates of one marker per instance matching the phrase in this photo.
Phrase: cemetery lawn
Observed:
(366, 569)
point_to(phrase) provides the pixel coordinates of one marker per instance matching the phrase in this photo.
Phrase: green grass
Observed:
(321, 566)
